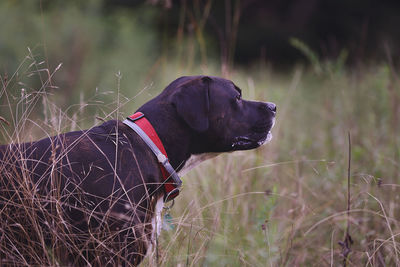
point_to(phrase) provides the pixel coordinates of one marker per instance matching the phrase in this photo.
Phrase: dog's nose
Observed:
(271, 106)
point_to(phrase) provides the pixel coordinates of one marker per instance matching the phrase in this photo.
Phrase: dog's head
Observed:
(214, 109)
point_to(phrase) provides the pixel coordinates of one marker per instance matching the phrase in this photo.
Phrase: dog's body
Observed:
(110, 171)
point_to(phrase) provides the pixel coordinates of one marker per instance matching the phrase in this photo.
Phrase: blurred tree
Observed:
(246, 30)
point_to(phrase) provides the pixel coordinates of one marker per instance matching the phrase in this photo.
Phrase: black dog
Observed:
(108, 178)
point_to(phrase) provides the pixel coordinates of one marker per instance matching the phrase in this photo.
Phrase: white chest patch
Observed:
(156, 221)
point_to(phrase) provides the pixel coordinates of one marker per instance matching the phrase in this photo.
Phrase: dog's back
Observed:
(81, 184)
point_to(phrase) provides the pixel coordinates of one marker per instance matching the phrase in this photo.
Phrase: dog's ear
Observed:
(192, 102)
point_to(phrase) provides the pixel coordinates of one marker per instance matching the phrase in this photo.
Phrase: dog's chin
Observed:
(266, 140)
(250, 141)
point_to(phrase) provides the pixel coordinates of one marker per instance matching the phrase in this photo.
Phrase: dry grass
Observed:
(285, 204)
(281, 205)
(35, 224)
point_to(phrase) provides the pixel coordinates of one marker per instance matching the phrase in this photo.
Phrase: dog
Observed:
(109, 178)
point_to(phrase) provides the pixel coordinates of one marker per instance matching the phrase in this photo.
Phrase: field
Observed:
(284, 204)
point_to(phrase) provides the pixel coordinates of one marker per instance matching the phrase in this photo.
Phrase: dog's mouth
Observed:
(261, 135)
(250, 141)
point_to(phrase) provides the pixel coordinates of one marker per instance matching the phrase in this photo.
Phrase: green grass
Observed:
(281, 205)
(285, 203)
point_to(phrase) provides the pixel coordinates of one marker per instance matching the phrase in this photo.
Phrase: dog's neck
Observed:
(177, 143)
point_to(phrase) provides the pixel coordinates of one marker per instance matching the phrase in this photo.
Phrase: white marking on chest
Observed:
(195, 160)
(156, 221)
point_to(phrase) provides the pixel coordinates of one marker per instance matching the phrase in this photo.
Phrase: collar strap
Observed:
(145, 130)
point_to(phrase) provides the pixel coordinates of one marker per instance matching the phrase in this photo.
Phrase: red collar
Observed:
(171, 187)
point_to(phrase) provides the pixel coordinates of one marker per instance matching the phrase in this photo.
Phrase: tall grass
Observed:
(35, 226)
(281, 205)
(284, 204)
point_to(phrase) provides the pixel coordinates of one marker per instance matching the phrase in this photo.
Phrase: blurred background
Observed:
(332, 67)
(142, 39)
